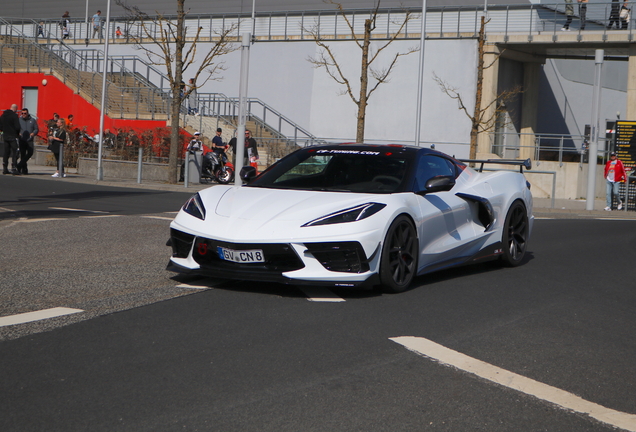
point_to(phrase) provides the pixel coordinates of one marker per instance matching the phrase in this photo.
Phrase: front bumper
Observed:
(325, 263)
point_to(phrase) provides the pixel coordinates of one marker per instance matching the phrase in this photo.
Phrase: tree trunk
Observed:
(364, 81)
(477, 115)
(177, 99)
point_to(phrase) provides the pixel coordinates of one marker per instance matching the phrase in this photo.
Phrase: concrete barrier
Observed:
(123, 169)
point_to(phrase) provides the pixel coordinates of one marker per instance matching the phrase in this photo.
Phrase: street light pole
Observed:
(246, 40)
(592, 155)
(240, 132)
(88, 28)
(100, 168)
(420, 77)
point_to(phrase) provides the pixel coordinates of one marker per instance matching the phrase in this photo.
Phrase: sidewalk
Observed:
(45, 172)
(563, 208)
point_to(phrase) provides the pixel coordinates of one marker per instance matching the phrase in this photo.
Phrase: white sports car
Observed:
(355, 215)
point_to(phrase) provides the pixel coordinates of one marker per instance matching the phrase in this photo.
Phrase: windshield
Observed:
(337, 170)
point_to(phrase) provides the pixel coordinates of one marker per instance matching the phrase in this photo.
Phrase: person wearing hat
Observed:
(195, 144)
(614, 175)
(219, 146)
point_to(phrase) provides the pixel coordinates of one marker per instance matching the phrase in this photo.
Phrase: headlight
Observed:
(194, 206)
(348, 215)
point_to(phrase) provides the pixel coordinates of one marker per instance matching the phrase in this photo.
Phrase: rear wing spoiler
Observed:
(521, 163)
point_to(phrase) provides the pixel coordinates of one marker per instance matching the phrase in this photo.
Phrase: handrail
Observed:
(70, 66)
(448, 22)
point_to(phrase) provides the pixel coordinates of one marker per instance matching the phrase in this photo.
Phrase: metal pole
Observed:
(593, 150)
(420, 77)
(87, 25)
(186, 171)
(60, 165)
(100, 167)
(141, 155)
(240, 132)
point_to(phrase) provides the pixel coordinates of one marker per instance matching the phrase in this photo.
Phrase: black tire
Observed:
(225, 177)
(515, 235)
(398, 265)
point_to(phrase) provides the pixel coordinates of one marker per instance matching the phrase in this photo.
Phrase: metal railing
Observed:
(441, 22)
(135, 99)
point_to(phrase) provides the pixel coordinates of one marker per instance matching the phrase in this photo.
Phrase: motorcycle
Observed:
(215, 168)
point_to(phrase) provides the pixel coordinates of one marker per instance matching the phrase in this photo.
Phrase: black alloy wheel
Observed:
(515, 235)
(398, 266)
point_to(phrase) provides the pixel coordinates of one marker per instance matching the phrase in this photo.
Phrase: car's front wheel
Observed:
(398, 264)
(515, 235)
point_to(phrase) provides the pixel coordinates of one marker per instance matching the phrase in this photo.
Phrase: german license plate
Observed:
(241, 256)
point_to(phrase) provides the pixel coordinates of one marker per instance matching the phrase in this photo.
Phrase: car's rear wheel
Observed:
(398, 264)
(515, 235)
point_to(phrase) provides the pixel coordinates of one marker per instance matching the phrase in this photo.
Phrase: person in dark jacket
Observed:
(10, 126)
(28, 130)
(251, 149)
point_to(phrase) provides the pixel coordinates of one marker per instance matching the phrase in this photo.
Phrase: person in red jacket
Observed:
(614, 175)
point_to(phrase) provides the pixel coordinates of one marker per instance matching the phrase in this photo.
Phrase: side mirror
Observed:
(438, 184)
(247, 173)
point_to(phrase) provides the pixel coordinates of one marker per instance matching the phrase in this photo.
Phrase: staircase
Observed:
(132, 94)
(128, 96)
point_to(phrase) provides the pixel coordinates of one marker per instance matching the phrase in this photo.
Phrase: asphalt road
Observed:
(150, 353)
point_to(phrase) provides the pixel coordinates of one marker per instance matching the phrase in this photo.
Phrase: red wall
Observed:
(56, 97)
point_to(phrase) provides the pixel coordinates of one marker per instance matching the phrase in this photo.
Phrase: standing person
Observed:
(40, 30)
(582, 12)
(10, 127)
(65, 24)
(192, 98)
(56, 141)
(97, 24)
(52, 123)
(251, 151)
(28, 130)
(625, 15)
(69, 122)
(614, 15)
(614, 175)
(569, 11)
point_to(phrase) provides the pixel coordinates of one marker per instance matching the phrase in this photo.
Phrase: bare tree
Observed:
(326, 58)
(177, 54)
(483, 118)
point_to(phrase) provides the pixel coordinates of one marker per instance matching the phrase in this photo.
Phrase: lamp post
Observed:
(592, 155)
(420, 77)
(246, 40)
(100, 168)
(88, 28)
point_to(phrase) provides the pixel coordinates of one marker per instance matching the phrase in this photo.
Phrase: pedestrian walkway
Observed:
(563, 208)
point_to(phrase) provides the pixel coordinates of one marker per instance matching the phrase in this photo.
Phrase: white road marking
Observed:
(38, 220)
(76, 210)
(317, 294)
(36, 316)
(158, 217)
(556, 396)
(100, 216)
(188, 286)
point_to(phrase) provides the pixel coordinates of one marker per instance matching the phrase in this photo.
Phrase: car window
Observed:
(430, 166)
(311, 166)
(350, 170)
